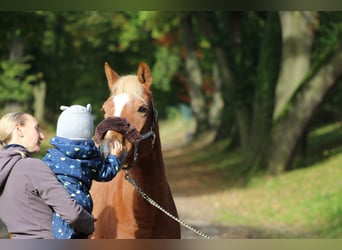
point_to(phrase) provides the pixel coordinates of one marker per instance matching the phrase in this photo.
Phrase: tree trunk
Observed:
(263, 98)
(195, 76)
(287, 132)
(240, 111)
(39, 92)
(216, 107)
(297, 38)
(16, 49)
(16, 52)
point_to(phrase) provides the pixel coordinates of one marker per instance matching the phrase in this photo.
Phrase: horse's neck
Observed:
(152, 162)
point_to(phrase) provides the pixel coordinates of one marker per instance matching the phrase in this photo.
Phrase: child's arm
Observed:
(108, 168)
(116, 149)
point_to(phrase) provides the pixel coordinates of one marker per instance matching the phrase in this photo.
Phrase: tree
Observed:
(19, 38)
(16, 85)
(306, 97)
(274, 95)
(195, 74)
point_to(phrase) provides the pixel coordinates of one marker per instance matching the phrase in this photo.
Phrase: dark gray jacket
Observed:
(29, 191)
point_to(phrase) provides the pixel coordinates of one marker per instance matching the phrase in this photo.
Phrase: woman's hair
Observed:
(7, 125)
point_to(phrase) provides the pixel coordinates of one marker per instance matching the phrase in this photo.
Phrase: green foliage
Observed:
(80, 42)
(166, 66)
(27, 25)
(79, 53)
(161, 30)
(236, 27)
(327, 37)
(160, 23)
(329, 111)
(15, 83)
(269, 61)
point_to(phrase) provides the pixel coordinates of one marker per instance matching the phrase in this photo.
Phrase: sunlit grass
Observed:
(303, 203)
(308, 201)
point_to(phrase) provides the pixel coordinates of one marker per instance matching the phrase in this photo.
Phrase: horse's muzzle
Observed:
(116, 128)
(108, 142)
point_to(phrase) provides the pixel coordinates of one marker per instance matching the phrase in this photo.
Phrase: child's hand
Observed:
(116, 149)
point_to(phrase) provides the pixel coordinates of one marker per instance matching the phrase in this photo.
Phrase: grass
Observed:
(308, 202)
(303, 203)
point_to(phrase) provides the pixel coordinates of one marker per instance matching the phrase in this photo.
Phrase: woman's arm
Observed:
(54, 195)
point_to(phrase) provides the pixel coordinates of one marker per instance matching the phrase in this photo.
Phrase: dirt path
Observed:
(201, 194)
(197, 192)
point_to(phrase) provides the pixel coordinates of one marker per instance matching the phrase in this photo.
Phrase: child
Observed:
(76, 161)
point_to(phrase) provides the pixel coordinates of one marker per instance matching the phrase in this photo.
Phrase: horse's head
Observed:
(131, 104)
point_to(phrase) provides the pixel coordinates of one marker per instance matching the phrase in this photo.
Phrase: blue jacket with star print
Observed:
(76, 164)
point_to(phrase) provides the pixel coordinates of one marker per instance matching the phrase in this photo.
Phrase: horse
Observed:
(120, 211)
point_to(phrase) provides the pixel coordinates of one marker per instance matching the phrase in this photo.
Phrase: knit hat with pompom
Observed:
(75, 122)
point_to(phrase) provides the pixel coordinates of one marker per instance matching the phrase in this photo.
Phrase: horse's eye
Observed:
(142, 109)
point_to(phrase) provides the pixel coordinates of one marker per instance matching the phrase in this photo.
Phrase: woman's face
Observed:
(31, 135)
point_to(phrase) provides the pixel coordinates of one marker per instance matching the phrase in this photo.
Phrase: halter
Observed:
(143, 137)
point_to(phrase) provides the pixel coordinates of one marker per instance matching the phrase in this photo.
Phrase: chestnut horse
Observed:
(120, 211)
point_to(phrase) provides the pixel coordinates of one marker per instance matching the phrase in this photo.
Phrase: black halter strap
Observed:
(144, 136)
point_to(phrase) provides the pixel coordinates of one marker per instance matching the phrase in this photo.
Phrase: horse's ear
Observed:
(144, 74)
(111, 75)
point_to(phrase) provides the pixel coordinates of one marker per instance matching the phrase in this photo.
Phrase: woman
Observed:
(29, 190)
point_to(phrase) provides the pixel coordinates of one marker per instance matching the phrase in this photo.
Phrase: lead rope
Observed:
(155, 204)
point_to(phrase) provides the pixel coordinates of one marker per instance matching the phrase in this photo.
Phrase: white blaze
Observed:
(119, 102)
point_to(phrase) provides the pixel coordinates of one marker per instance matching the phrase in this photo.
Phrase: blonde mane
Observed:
(130, 85)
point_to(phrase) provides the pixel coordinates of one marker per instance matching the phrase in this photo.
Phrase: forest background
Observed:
(262, 84)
